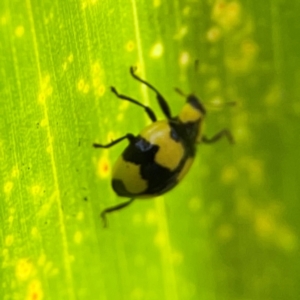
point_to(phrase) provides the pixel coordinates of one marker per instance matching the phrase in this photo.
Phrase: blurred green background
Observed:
(230, 230)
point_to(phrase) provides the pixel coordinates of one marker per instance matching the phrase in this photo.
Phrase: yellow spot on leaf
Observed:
(194, 204)
(9, 240)
(46, 89)
(156, 3)
(227, 14)
(34, 232)
(15, 172)
(44, 123)
(19, 31)
(184, 58)
(42, 260)
(177, 258)
(36, 190)
(4, 20)
(225, 232)
(181, 33)
(78, 237)
(24, 269)
(97, 79)
(8, 187)
(70, 58)
(213, 35)
(103, 166)
(80, 216)
(160, 239)
(35, 291)
(80, 85)
(151, 217)
(130, 46)
(100, 90)
(229, 174)
(157, 50)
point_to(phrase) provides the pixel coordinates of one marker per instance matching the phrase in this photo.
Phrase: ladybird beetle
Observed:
(159, 157)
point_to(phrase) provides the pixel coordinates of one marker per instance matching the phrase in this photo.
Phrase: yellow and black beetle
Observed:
(160, 156)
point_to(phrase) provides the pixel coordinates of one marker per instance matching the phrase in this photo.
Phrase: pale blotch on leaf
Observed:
(35, 291)
(97, 79)
(130, 46)
(83, 86)
(110, 136)
(34, 232)
(227, 15)
(44, 123)
(286, 239)
(86, 3)
(181, 33)
(186, 11)
(213, 34)
(4, 20)
(160, 239)
(243, 60)
(225, 232)
(9, 240)
(184, 58)
(241, 127)
(24, 269)
(229, 174)
(157, 50)
(46, 89)
(80, 216)
(11, 219)
(48, 267)
(68, 61)
(86, 89)
(36, 190)
(213, 85)
(15, 173)
(151, 217)
(78, 237)
(120, 117)
(103, 169)
(254, 168)
(100, 90)
(156, 3)
(42, 260)
(8, 186)
(70, 58)
(177, 258)
(194, 204)
(19, 32)
(137, 294)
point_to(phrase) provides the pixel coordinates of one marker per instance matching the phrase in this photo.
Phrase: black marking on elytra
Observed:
(159, 179)
(119, 187)
(140, 152)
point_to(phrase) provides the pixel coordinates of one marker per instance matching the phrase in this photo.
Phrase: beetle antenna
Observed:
(113, 208)
(217, 104)
(180, 92)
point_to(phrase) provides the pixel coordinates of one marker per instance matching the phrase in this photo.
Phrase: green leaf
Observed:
(230, 230)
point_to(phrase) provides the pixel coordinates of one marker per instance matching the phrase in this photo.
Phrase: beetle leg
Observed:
(148, 110)
(114, 208)
(128, 136)
(223, 133)
(161, 100)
